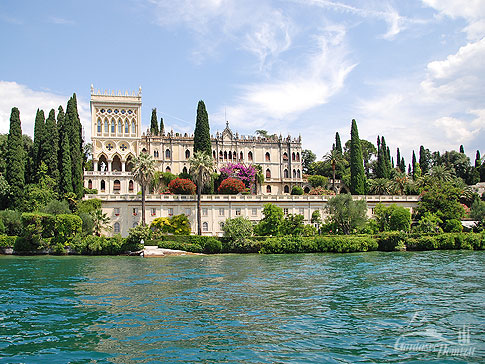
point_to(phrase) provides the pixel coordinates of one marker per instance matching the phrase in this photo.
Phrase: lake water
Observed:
(311, 308)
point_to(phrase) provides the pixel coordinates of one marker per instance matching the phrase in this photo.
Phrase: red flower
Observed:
(182, 186)
(231, 186)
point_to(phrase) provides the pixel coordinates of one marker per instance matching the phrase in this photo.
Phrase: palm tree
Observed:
(380, 186)
(441, 174)
(143, 171)
(399, 182)
(201, 167)
(333, 157)
(100, 221)
(258, 178)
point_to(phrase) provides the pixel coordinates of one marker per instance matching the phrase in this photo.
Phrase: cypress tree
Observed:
(424, 156)
(154, 122)
(414, 164)
(398, 159)
(392, 162)
(202, 138)
(39, 131)
(51, 154)
(409, 169)
(388, 161)
(338, 144)
(162, 127)
(74, 130)
(64, 158)
(462, 150)
(357, 177)
(14, 173)
(477, 159)
(382, 170)
(402, 165)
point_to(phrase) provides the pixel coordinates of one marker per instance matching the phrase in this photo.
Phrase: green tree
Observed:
(271, 222)
(307, 158)
(428, 224)
(380, 186)
(202, 138)
(318, 181)
(333, 157)
(297, 190)
(201, 167)
(39, 137)
(154, 123)
(424, 159)
(238, 230)
(392, 218)
(478, 159)
(76, 145)
(477, 212)
(4, 192)
(442, 200)
(143, 171)
(357, 177)
(50, 154)
(162, 127)
(39, 195)
(382, 168)
(15, 168)
(101, 221)
(293, 225)
(338, 143)
(64, 158)
(346, 213)
(462, 150)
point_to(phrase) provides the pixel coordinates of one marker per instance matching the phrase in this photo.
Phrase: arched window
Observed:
(225, 155)
(167, 153)
(267, 157)
(113, 126)
(133, 127)
(307, 190)
(102, 163)
(221, 155)
(116, 227)
(293, 156)
(120, 127)
(103, 185)
(287, 189)
(131, 186)
(298, 175)
(250, 156)
(184, 170)
(168, 169)
(297, 156)
(234, 155)
(205, 226)
(116, 186)
(187, 154)
(294, 173)
(127, 127)
(106, 126)
(99, 126)
(230, 155)
(268, 173)
(268, 189)
(285, 173)
(155, 154)
(241, 156)
(129, 163)
(116, 164)
(144, 150)
(214, 154)
(285, 156)
(90, 184)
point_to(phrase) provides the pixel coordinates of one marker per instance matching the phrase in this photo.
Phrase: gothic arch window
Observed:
(116, 164)
(230, 155)
(234, 155)
(286, 174)
(298, 175)
(221, 155)
(129, 163)
(106, 126)
(116, 186)
(127, 127)
(250, 156)
(187, 154)
(267, 157)
(294, 173)
(184, 170)
(285, 156)
(90, 184)
(287, 189)
(241, 156)
(297, 156)
(103, 185)
(168, 169)
(133, 127)
(102, 163)
(120, 127)
(99, 126)
(214, 154)
(144, 150)
(268, 173)
(116, 227)
(293, 156)
(205, 226)
(167, 153)
(268, 189)
(225, 155)
(113, 126)
(131, 186)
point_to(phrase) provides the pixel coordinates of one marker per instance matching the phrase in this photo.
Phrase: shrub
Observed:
(88, 206)
(391, 241)
(318, 181)
(176, 225)
(175, 245)
(87, 223)
(190, 243)
(297, 190)
(181, 186)
(237, 230)
(136, 235)
(12, 221)
(7, 241)
(35, 227)
(67, 226)
(429, 224)
(98, 245)
(453, 226)
(90, 191)
(56, 207)
(231, 186)
(400, 219)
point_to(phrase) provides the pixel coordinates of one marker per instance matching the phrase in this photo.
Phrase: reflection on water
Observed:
(238, 308)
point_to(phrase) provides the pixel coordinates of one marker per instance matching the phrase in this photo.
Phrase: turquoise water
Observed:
(310, 308)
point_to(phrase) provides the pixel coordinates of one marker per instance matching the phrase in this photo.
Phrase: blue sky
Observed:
(412, 71)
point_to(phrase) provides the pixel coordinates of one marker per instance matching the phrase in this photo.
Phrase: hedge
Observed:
(7, 241)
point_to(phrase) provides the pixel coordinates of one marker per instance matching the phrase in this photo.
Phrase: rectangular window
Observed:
(204, 212)
(153, 211)
(238, 212)
(221, 212)
(117, 211)
(188, 212)
(135, 211)
(285, 211)
(254, 211)
(170, 212)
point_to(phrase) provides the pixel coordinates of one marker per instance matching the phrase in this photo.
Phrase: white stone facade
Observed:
(125, 210)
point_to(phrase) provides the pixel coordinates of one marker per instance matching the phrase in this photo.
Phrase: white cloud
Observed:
(28, 101)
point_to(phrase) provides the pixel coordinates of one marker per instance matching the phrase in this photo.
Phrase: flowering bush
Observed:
(321, 191)
(240, 171)
(181, 186)
(231, 186)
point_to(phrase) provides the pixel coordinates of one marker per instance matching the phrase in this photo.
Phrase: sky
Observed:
(412, 70)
